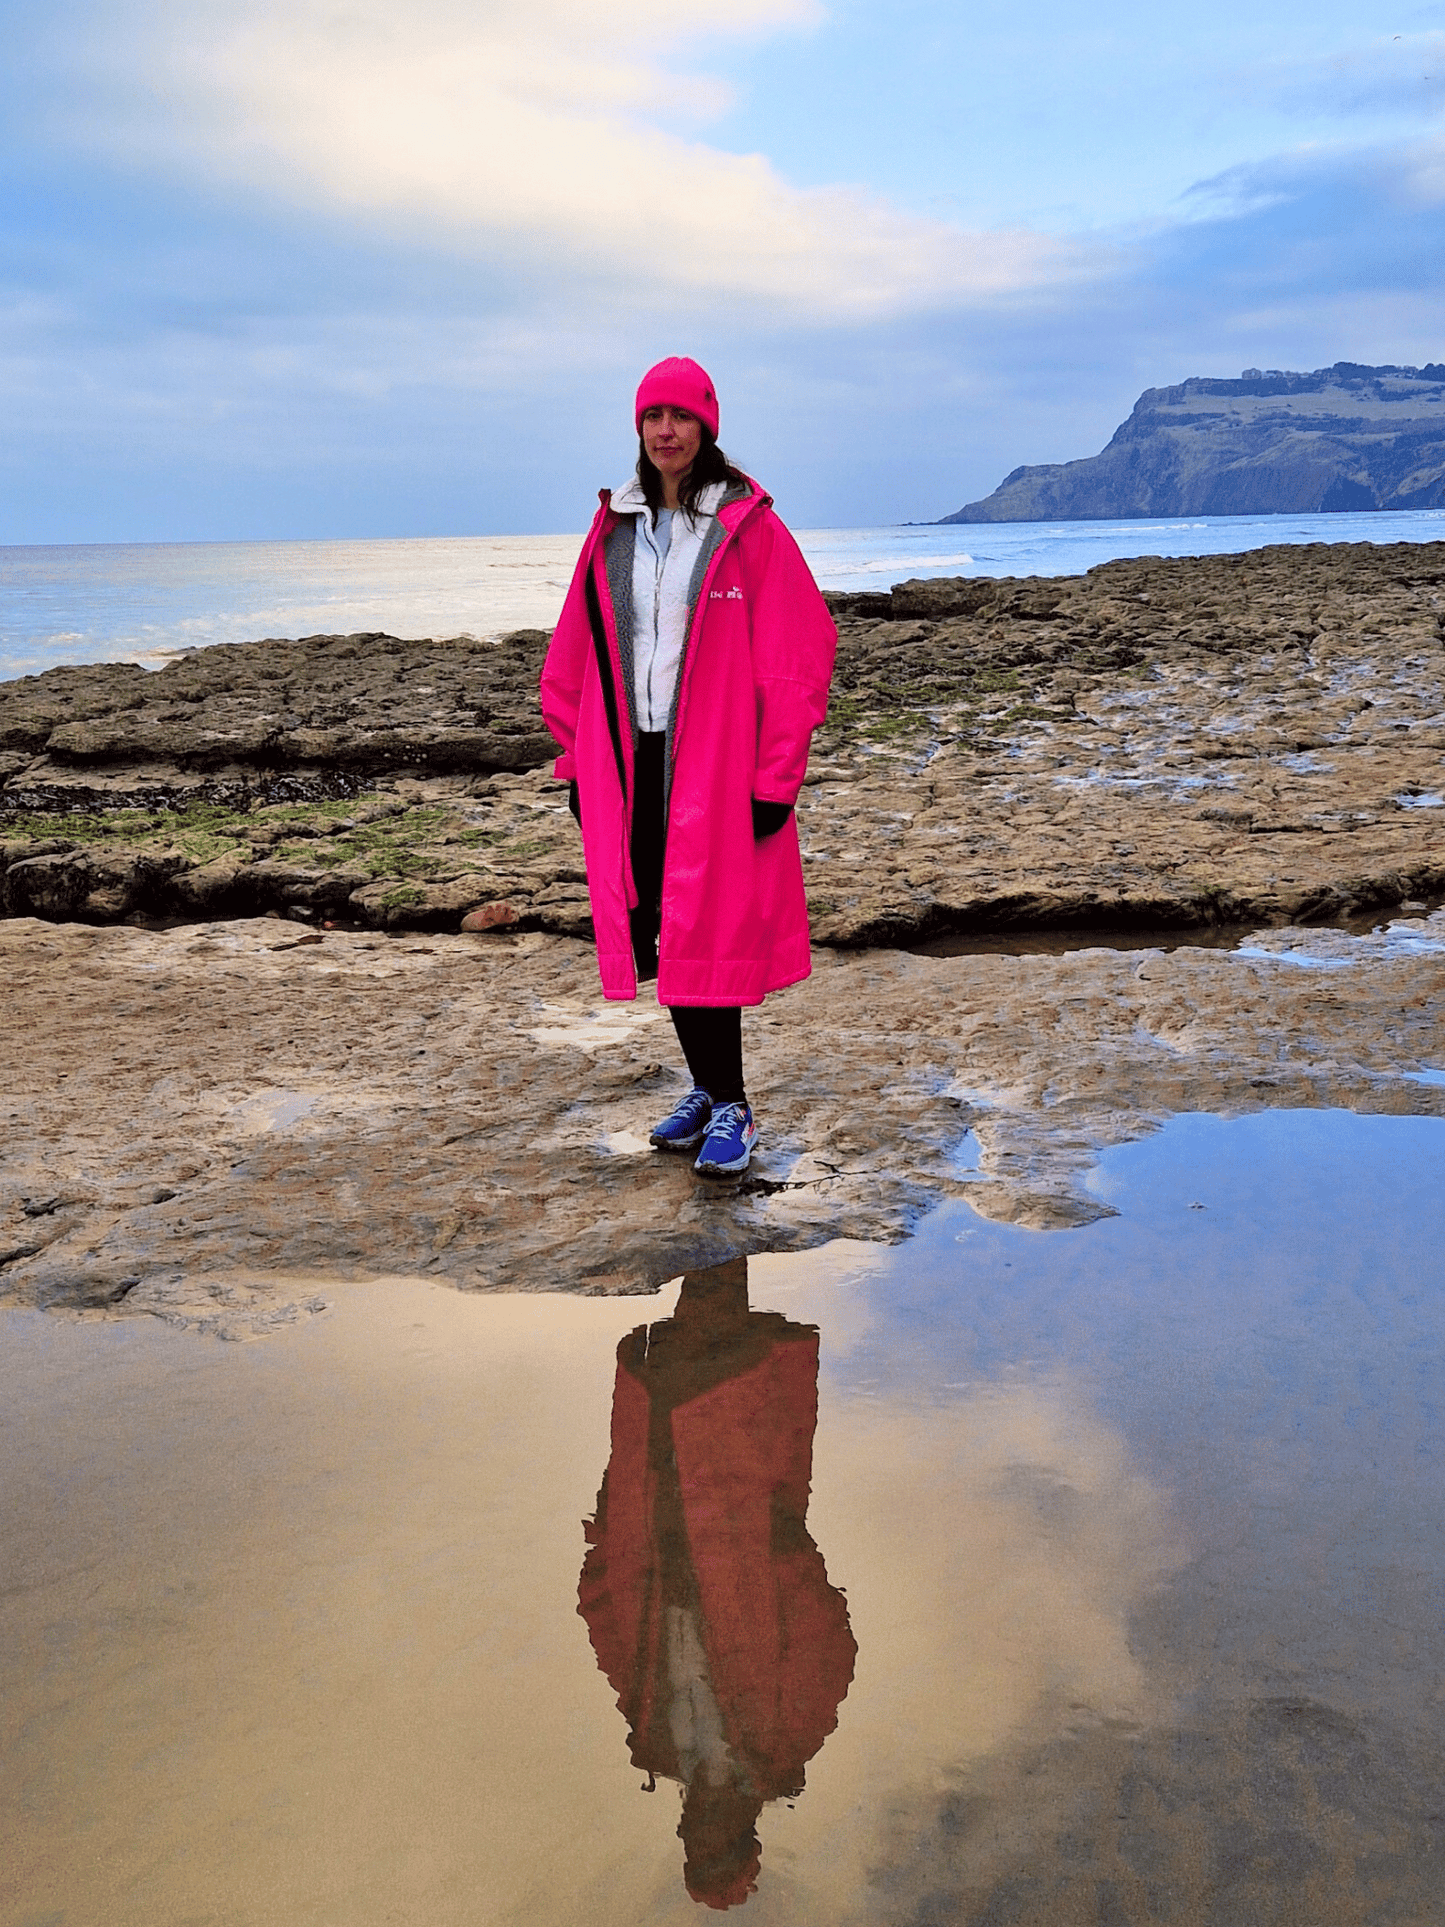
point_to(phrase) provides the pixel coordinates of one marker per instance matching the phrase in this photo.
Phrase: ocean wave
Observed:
(891, 565)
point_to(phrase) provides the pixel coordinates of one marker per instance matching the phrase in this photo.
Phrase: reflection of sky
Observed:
(1246, 1245)
(1133, 1474)
(1263, 1324)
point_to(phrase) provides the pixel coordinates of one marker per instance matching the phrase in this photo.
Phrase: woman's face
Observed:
(672, 438)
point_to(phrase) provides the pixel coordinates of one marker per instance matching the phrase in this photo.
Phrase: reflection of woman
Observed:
(707, 1602)
(689, 669)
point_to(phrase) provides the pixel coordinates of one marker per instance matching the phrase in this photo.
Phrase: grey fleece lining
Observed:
(618, 552)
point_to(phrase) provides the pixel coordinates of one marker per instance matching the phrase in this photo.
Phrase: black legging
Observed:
(711, 1035)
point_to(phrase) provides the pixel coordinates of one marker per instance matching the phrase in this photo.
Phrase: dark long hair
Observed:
(708, 465)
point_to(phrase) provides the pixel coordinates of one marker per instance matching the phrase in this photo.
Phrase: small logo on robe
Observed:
(732, 595)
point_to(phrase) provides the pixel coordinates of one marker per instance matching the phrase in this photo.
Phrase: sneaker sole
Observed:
(733, 1170)
(677, 1143)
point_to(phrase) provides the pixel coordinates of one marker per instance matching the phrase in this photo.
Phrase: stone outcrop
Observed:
(244, 714)
(1343, 438)
(1170, 743)
(1216, 739)
(209, 1124)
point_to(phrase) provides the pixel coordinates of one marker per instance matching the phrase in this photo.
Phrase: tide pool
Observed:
(1091, 1575)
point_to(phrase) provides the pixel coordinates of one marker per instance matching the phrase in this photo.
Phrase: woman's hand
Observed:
(769, 818)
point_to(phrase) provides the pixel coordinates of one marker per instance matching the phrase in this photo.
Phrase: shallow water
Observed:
(1137, 1529)
(1400, 934)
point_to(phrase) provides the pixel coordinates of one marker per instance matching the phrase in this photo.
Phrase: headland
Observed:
(1345, 438)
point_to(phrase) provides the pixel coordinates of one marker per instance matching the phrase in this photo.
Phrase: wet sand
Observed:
(1138, 1524)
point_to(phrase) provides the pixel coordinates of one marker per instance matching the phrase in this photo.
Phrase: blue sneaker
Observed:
(686, 1128)
(727, 1148)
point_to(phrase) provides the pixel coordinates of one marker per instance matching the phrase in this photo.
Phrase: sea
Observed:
(148, 602)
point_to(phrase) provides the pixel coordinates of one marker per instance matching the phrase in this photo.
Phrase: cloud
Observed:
(560, 132)
(274, 300)
(1339, 221)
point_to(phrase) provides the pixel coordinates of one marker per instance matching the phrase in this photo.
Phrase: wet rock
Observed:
(92, 885)
(477, 1114)
(367, 702)
(289, 885)
(53, 887)
(212, 888)
(396, 904)
(565, 909)
(68, 1288)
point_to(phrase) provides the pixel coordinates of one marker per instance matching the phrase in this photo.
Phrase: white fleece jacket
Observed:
(659, 597)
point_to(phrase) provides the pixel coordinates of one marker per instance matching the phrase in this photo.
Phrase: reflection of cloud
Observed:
(994, 1552)
(1273, 1808)
(1424, 171)
(557, 126)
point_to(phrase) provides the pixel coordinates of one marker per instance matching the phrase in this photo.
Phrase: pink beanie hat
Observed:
(679, 383)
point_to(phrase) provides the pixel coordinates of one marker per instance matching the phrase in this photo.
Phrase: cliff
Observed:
(1342, 438)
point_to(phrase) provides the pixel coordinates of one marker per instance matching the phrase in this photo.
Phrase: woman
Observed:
(689, 669)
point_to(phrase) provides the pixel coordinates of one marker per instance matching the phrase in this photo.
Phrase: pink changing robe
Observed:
(752, 688)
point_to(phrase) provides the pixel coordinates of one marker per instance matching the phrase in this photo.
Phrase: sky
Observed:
(325, 268)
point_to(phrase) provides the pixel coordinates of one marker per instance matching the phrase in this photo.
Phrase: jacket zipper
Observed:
(659, 564)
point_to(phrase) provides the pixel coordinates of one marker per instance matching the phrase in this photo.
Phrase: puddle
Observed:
(999, 1577)
(1329, 948)
(1413, 934)
(272, 1111)
(967, 1155)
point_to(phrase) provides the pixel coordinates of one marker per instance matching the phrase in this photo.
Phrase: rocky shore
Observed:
(211, 1112)
(214, 1124)
(1246, 738)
